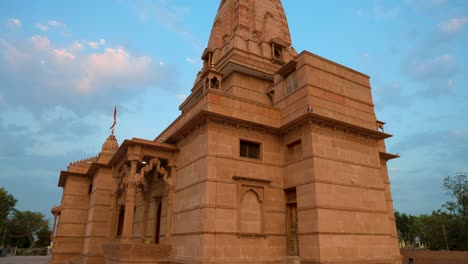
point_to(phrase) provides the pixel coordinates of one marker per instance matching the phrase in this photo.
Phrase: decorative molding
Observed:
(247, 180)
(203, 206)
(348, 161)
(343, 233)
(326, 181)
(341, 208)
(221, 233)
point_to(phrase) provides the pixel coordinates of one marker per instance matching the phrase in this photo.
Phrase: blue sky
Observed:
(65, 64)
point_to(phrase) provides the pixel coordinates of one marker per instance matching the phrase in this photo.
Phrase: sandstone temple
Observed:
(276, 157)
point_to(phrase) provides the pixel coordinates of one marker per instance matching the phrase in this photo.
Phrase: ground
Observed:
(25, 260)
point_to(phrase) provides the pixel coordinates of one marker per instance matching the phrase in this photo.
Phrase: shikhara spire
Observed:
(253, 27)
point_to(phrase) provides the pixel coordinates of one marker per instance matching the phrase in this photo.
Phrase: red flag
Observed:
(115, 118)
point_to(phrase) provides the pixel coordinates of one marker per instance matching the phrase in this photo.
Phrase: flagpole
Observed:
(115, 120)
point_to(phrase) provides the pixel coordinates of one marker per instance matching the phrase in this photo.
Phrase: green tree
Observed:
(434, 230)
(26, 224)
(7, 203)
(408, 227)
(43, 237)
(447, 228)
(457, 187)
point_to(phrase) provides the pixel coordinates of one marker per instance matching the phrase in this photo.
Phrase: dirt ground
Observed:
(25, 260)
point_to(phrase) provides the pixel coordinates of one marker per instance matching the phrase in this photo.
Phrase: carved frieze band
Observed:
(342, 208)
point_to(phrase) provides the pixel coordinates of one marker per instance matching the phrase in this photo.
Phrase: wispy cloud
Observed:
(171, 17)
(383, 12)
(426, 68)
(390, 95)
(193, 61)
(453, 26)
(55, 23)
(428, 5)
(14, 22)
(41, 27)
(181, 97)
(436, 73)
(94, 44)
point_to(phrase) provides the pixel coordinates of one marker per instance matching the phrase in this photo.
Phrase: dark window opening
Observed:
(249, 149)
(277, 53)
(214, 83)
(90, 189)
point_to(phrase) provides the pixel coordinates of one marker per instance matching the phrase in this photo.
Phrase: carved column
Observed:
(127, 232)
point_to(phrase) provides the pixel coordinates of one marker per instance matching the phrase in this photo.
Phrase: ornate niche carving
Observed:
(251, 212)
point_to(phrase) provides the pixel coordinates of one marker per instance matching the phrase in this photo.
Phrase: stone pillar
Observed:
(52, 234)
(146, 209)
(170, 200)
(113, 214)
(56, 212)
(127, 232)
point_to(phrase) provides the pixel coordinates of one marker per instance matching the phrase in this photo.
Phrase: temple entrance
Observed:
(157, 227)
(292, 241)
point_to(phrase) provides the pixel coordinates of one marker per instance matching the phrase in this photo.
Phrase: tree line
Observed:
(21, 229)
(444, 229)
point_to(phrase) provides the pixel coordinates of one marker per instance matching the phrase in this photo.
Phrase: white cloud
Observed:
(453, 26)
(56, 23)
(61, 74)
(15, 22)
(12, 55)
(111, 66)
(181, 97)
(40, 42)
(63, 54)
(94, 44)
(77, 46)
(422, 69)
(42, 27)
(192, 61)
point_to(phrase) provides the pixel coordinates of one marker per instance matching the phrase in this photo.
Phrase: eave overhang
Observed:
(388, 156)
(123, 149)
(335, 123)
(64, 176)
